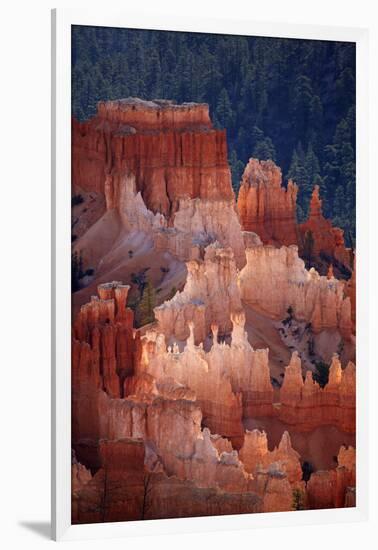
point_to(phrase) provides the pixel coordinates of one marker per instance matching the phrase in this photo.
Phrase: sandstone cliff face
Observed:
(158, 413)
(275, 279)
(135, 493)
(195, 224)
(238, 375)
(168, 395)
(172, 150)
(256, 457)
(266, 207)
(104, 344)
(334, 488)
(210, 295)
(306, 405)
(104, 347)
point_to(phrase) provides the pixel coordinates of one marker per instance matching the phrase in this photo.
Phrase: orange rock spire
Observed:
(265, 207)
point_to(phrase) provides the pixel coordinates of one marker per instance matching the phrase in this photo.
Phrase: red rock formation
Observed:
(104, 343)
(238, 376)
(158, 418)
(269, 210)
(210, 295)
(256, 457)
(327, 239)
(275, 279)
(306, 406)
(115, 493)
(104, 348)
(173, 151)
(198, 371)
(265, 207)
(334, 488)
(195, 224)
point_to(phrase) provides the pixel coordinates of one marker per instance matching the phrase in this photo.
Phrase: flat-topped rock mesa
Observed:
(155, 115)
(173, 151)
(265, 206)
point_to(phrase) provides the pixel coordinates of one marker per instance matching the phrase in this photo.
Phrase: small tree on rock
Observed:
(146, 305)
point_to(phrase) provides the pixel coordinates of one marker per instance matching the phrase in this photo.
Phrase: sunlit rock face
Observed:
(265, 206)
(195, 224)
(173, 151)
(159, 412)
(275, 279)
(103, 340)
(256, 457)
(305, 405)
(237, 375)
(210, 294)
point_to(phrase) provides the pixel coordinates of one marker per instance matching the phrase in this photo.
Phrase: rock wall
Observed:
(333, 488)
(104, 348)
(238, 376)
(173, 151)
(195, 224)
(210, 295)
(256, 457)
(305, 405)
(275, 279)
(265, 206)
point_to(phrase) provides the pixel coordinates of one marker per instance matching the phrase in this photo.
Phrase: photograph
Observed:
(213, 274)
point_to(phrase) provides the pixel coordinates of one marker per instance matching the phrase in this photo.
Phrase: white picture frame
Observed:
(61, 259)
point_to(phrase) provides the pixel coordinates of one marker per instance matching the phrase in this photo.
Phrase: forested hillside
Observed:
(285, 99)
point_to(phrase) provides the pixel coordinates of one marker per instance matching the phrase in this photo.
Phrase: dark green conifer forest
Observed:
(289, 100)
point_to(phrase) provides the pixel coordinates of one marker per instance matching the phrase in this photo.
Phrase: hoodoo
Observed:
(205, 367)
(265, 206)
(327, 241)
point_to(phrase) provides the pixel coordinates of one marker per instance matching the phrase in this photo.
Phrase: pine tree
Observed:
(146, 305)
(223, 111)
(237, 169)
(264, 150)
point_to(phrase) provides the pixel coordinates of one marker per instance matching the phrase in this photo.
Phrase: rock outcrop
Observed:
(256, 457)
(210, 295)
(159, 412)
(103, 340)
(305, 405)
(326, 240)
(104, 348)
(334, 488)
(238, 376)
(116, 493)
(195, 224)
(173, 151)
(265, 206)
(275, 279)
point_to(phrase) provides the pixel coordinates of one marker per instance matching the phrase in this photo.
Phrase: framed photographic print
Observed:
(210, 235)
